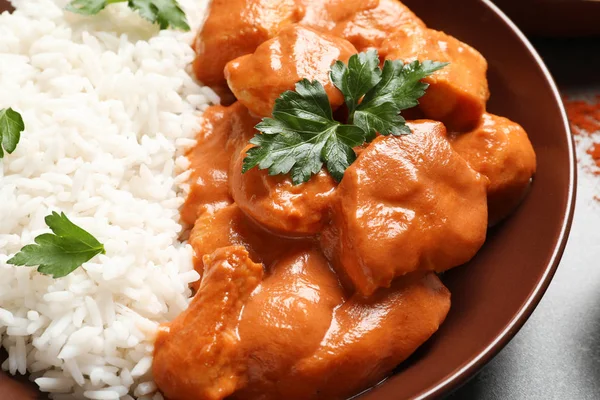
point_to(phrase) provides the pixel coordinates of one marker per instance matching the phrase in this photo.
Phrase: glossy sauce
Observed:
(198, 355)
(224, 130)
(458, 93)
(499, 149)
(406, 204)
(325, 15)
(257, 84)
(288, 332)
(369, 28)
(319, 290)
(235, 28)
(278, 205)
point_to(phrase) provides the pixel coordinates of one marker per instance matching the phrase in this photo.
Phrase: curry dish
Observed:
(319, 290)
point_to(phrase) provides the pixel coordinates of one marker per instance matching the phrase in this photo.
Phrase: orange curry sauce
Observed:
(319, 290)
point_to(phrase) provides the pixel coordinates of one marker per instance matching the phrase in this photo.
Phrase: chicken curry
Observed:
(319, 290)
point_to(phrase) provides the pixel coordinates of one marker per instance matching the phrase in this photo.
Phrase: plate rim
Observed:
(459, 377)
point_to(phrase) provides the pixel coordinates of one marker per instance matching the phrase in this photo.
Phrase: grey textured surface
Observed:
(557, 353)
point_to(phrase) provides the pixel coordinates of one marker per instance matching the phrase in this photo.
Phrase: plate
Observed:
(495, 293)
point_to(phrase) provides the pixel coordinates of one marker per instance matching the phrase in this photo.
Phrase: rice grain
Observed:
(110, 110)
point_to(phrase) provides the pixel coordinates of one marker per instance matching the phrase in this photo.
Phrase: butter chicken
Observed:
(319, 290)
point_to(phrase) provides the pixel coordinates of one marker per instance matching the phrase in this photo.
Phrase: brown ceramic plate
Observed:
(494, 294)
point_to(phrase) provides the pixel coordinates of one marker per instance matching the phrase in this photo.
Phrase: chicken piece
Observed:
(459, 92)
(291, 335)
(237, 27)
(368, 338)
(324, 15)
(500, 150)
(198, 356)
(241, 336)
(258, 79)
(277, 204)
(209, 166)
(230, 227)
(370, 27)
(223, 132)
(407, 203)
(285, 319)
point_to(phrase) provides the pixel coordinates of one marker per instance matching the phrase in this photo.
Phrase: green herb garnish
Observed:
(11, 126)
(302, 135)
(61, 252)
(165, 13)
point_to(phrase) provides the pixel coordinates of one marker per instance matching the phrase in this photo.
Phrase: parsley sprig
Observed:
(11, 126)
(303, 136)
(165, 13)
(61, 252)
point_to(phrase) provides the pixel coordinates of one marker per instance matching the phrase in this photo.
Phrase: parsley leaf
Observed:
(358, 77)
(88, 7)
(302, 135)
(380, 117)
(165, 13)
(400, 88)
(401, 83)
(61, 252)
(11, 126)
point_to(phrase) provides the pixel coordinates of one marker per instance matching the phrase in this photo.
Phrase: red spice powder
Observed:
(584, 116)
(585, 120)
(594, 151)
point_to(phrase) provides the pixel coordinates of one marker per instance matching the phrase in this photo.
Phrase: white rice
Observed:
(109, 109)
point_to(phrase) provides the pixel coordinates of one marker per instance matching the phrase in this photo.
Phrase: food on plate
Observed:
(295, 53)
(499, 149)
(277, 204)
(235, 28)
(296, 336)
(61, 252)
(336, 186)
(367, 338)
(291, 250)
(458, 93)
(11, 127)
(285, 320)
(231, 227)
(198, 356)
(369, 27)
(326, 14)
(348, 209)
(407, 204)
(165, 13)
(303, 135)
(225, 130)
(108, 111)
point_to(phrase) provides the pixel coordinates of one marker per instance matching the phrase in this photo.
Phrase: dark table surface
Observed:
(556, 355)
